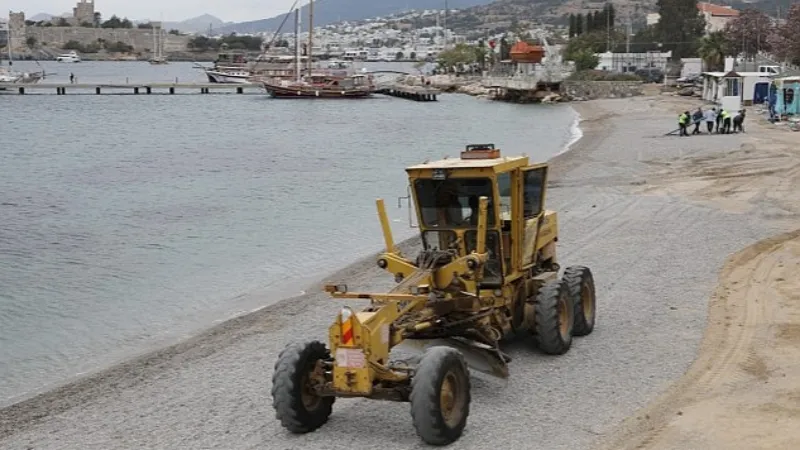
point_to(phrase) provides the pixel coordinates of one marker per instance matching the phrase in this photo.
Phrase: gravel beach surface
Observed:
(655, 260)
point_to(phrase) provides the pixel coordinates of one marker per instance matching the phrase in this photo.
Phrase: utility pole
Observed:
(444, 32)
(608, 27)
(310, 33)
(628, 33)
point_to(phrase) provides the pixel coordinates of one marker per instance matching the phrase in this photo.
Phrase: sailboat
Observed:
(320, 84)
(158, 45)
(9, 76)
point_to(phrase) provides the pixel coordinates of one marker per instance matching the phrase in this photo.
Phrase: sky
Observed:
(167, 10)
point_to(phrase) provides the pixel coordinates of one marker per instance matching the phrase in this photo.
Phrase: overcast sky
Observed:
(170, 10)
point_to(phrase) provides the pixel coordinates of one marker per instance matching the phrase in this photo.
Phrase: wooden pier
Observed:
(417, 93)
(135, 89)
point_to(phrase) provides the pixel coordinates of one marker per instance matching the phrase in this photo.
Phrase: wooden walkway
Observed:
(133, 88)
(417, 93)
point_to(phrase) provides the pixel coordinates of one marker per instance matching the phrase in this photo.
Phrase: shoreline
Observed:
(212, 390)
(257, 300)
(167, 343)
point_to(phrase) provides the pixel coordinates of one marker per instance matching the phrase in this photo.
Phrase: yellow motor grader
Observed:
(487, 272)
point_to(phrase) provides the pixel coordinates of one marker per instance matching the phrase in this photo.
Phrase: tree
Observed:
(680, 27)
(579, 25)
(610, 15)
(398, 56)
(645, 40)
(585, 60)
(749, 33)
(459, 56)
(572, 26)
(145, 26)
(30, 42)
(412, 55)
(98, 19)
(589, 25)
(505, 49)
(784, 41)
(62, 22)
(713, 50)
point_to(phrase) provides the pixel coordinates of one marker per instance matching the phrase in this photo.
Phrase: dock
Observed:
(416, 93)
(134, 88)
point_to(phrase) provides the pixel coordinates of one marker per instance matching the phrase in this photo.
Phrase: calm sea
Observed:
(128, 220)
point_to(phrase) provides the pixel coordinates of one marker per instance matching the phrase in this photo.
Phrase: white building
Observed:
(732, 90)
(631, 62)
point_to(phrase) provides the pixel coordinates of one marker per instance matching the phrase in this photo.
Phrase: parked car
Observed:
(651, 75)
(692, 78)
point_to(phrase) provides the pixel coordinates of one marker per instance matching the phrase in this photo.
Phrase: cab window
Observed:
(453, 203)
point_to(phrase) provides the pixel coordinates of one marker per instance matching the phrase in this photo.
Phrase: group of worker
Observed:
(716, 121)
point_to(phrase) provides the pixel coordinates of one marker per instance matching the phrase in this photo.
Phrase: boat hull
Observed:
(276, 91)
(227, 78)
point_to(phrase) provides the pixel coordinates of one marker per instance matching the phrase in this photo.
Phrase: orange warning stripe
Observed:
(347, 331)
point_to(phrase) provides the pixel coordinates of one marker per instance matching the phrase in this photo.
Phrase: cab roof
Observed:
(475, 156)
(458, 163)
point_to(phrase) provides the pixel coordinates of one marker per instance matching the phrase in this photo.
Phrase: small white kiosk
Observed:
(731, 100)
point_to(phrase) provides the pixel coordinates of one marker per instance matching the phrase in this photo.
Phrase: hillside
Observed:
(197, 24)
(502, 14)
(332, 11)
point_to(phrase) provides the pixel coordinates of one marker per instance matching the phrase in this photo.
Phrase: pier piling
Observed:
(416, 93)
(168, 88)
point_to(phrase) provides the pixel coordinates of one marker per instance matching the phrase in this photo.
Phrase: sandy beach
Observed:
(692, 244)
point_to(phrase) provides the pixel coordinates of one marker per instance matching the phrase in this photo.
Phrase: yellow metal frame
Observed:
(361, 341)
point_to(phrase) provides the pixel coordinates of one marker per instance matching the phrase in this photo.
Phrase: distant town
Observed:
(600, 38)
(89, 32)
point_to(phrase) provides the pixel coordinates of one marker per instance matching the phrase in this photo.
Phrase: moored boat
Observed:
(322, 86)
(71, 57)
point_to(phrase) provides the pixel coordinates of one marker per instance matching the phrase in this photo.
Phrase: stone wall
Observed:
(588, 90)
(140, 39)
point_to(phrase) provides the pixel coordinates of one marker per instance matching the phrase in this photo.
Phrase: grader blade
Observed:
(479, 357)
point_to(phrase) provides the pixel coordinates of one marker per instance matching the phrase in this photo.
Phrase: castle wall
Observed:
(140, 39)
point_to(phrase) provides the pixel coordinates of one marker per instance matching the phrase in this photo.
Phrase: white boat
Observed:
(228, 76)
(8, 77)
(70, 57)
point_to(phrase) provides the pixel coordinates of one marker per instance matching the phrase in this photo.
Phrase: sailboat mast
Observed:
(310, 32)
(297, 44)
(10, 63)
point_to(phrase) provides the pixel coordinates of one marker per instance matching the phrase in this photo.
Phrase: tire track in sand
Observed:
(736, 318)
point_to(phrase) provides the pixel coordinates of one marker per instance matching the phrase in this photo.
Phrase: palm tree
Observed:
(713, 49)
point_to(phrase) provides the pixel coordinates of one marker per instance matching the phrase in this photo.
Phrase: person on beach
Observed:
(711, 118)
(738, 122)
(683, 121)
(726, 122)
(71, 78)
(697, 119)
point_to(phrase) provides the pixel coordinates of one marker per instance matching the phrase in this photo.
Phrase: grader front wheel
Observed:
(553, 318)
(298, 407)
(440, 396)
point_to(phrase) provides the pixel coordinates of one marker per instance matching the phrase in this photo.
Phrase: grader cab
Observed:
(487, 272)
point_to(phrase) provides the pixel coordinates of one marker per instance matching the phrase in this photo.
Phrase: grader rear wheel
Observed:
(581, 289)
(440, 396)
(553, 318)
(298, 407)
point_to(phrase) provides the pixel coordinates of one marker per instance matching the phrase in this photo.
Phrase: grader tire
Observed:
(581, 289)
(440, 396)
(299, 409)
(553, 318)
